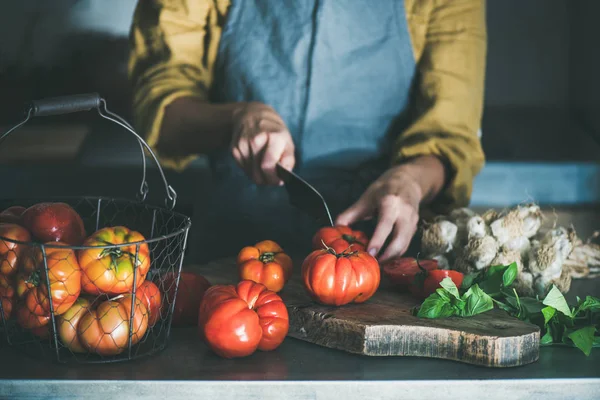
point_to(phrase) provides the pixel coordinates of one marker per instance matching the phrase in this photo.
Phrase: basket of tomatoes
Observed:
(89, 279)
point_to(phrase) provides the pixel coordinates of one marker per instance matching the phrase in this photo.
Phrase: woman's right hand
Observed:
(260, 140)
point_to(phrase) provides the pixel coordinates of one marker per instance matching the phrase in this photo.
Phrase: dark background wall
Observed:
(541, 90)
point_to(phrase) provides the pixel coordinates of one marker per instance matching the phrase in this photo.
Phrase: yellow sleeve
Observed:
(173, 48)
(449, 97)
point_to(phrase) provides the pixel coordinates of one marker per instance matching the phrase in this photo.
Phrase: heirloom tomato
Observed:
(433, 279)
(338, 276)
(265, 263)
(235, 321)
(149, 294)
(64, 275)
(28, 320)
(190, 292)
(105, 330)
(7, 296)
(402, 271)
(54, 222)
(342, 236)
(12, 215)
(10, 251)
(68, 323)
(111, 270)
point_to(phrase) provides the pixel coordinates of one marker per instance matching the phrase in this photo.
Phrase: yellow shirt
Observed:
(174, 46)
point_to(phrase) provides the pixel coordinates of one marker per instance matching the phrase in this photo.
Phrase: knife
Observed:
(304, 197)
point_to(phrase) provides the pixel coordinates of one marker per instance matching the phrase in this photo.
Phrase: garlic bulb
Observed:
(438, 238)
(481, 251)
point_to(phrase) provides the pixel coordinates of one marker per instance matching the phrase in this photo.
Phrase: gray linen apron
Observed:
(340, 73)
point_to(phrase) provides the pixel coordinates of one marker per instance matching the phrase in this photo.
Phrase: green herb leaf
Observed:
(495, 270)
(450, 287)
(510, 274)
(555, 299)
(477, 301)
(531, 305)
(590, 303)
(443, 293)
(584, 339)
(548, 314)
(469, 280)
(547, 339)
(435, 307)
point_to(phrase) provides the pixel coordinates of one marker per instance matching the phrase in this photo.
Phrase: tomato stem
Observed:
(351, 240)
(344, 253)
(268, 257)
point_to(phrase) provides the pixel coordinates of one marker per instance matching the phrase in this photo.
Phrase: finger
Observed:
(404, 229)
(273, 153)
(288, 158)
(258, 146)
(360, 210)
(237, 156)
(388, 214)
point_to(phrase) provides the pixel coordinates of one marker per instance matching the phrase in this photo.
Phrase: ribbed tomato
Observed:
(190, 292)
(64, 275)
(149, 294)
(28, 320)
(342, 236)
(10, 251)
(336, 276)
(235, 321)
(111, 270)
(105, 330)
(265, 263)
(68, 323)
(7, 296)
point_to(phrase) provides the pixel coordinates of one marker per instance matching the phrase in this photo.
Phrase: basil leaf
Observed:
(531, 305)
(470, 279)
(547, 338)
(495, 270)
(450, 287)
(443, 293)
(548, 314)
(510, 274)
(584, 339)
(555, 299)
(477, 301)
(435, 307)
(590, 303)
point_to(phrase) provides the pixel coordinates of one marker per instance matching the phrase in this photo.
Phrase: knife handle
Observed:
(64, 104)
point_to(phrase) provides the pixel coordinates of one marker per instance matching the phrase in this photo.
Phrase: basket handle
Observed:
(65, 104)
(86, 102)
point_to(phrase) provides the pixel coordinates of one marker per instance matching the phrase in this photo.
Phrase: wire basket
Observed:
(103, 294)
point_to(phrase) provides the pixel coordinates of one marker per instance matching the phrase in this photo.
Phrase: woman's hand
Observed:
(260, 140)
(395, 197)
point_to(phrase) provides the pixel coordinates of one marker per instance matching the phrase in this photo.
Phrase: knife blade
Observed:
(304, 196)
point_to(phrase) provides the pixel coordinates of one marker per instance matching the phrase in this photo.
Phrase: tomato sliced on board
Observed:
(402, 271)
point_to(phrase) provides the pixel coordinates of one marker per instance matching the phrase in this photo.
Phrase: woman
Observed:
(376, 103)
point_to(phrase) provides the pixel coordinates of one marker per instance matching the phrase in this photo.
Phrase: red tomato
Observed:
(433, 279)
(105, 330)
(336, 277)
(235, 321)
(7, 295)
(68, 323)
(28, 320)
(64, 275)
(113, 270)
(265, 263)
(12, 215)
(10, 252)
(402, 271)
(343, 236)
(149, 294)
(189, 295)
(54, 222)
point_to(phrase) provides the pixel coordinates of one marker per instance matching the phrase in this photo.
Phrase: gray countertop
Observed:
(298, 370)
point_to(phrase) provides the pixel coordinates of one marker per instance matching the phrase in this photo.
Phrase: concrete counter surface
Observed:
(297, 370)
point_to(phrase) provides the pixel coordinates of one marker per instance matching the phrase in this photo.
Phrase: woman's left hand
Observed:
(395, 197)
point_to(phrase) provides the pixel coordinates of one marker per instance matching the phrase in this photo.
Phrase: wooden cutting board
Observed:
(384, 326)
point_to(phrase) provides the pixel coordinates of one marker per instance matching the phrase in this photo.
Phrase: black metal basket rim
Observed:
(188, 224)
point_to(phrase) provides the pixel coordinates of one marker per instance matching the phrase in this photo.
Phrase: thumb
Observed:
(358, 211)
